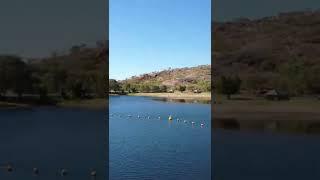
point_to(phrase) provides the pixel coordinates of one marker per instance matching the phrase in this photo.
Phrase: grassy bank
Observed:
(299, 115)
(177, 95)
(86, 103)
(252, 108)
(9, 105)
(98, 103)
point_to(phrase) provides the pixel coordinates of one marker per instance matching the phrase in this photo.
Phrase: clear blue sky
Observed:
(36, 28)
(152, 35)
(231, 9)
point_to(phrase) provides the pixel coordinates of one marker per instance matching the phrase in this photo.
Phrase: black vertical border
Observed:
(106, 120)
(212, 86)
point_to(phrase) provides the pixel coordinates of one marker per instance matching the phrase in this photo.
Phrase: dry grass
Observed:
(9, 105)
(261, 109)
(89, 103)
(177, 95)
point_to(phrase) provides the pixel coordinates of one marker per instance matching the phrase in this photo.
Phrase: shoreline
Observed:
(297, 109)
(96, 103)
(176, 96)
(296, 116)
(8, 105)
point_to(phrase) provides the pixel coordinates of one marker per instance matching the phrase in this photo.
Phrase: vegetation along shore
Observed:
(179, 83)
(177, 95)
(77, 76)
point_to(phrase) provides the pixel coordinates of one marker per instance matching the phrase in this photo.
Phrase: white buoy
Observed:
(185, 121)
(159, 117)
(201, 124)
(63, 172)
(9, 168)
(193, 122)
(148, 117)
(35, 171)
(138, 116)
(93, 173)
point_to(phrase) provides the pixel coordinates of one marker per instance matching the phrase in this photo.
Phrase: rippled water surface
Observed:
(252, 155)
(142, 146)
(51, 139)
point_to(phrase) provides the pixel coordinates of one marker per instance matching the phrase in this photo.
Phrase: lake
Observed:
(52, 139)
(253, 154)
(144, 146)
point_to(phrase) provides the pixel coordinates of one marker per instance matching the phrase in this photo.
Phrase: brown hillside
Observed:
(259, 47)
(173, 77)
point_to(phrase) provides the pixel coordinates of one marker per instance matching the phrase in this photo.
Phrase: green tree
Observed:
(155, 88)
(4, 81)
(43, 93)
(127, 87)
(228, 85)
(313, 79)
(76, 85)
(163, 88)
(114, 85)
(292, 77)
(181, 88)
(101, 85)
(255, 82)
(204, 85)
(18, 75)
(145, 88)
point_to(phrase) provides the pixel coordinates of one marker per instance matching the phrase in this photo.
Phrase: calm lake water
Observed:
(142, 146)
(151, 148)
(248, 155)
(51, 139)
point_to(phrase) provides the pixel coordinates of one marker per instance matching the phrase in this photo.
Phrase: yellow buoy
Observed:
(170, 118)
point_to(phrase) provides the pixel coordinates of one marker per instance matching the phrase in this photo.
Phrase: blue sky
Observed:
(230, 9)
(152, 35)
(36, 28)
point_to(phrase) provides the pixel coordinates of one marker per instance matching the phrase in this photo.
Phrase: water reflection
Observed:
(269, 126)
(264, 156)
(263, 144)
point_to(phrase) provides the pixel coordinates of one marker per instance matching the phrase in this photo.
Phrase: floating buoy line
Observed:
(9, 168)
(170, 118)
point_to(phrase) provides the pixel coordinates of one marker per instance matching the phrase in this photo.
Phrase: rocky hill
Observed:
(79, 58)
(187, 76)
(265, 48)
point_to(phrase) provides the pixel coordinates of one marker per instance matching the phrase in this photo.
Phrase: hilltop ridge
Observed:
(190, 77)
(268, 52)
